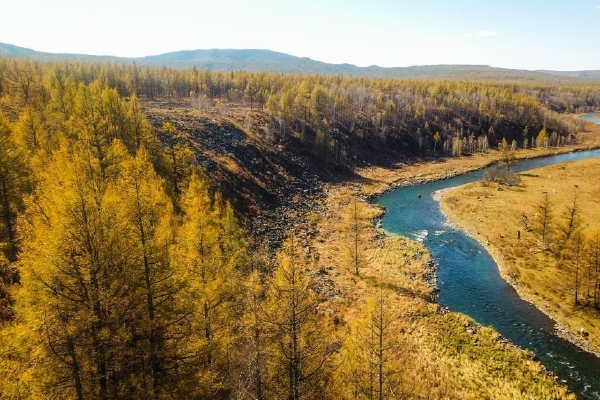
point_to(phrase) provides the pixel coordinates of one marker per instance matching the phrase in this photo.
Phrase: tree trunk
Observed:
(8, 221)
(75, 369)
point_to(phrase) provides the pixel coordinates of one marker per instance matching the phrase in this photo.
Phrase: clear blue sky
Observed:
(527, 34)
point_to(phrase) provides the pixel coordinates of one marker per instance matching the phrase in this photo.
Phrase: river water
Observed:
(470, 283)
(591, 117)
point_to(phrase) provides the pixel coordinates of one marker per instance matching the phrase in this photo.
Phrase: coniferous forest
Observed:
(126, 272)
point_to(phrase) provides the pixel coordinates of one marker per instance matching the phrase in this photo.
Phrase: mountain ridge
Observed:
(263, 60)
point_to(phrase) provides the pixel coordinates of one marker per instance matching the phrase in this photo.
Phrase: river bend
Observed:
(470, 283)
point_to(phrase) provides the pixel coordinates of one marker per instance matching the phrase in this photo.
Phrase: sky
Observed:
(522, 34)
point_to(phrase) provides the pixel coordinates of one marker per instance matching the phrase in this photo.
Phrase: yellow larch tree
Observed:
(140, 197)
(207, 260)
(302, 340)
(374, 354)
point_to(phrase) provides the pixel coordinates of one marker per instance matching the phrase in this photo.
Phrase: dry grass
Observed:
(494, 216)
(449, 355)
(456, 358)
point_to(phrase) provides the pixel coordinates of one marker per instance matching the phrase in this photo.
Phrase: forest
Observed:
(126, 274)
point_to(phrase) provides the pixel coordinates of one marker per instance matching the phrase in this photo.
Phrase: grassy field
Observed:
(495, 214)
(445, 355)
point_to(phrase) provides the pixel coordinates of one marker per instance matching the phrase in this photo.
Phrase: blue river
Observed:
(469, 281)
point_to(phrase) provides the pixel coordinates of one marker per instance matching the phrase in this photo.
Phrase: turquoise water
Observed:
(469, 281)
(591, 117)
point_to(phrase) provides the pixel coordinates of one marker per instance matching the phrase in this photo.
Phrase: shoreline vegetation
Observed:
(547, 287)
(560, 329)
(384, 252)
(448, 352)
(379, 180)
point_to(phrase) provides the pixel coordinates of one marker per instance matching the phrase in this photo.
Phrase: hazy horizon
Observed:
(538, 35)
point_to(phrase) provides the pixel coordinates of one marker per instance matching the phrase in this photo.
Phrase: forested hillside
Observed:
(124, 270)
(339, 117)
(260, 60)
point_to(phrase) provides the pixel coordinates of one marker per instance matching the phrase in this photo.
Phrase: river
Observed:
(469, 281)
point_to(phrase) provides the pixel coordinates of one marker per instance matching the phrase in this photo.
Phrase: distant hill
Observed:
(594, 74)
(9, 50)
(271, 61)
(12, 51)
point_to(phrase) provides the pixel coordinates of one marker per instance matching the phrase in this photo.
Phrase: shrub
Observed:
(501, 176)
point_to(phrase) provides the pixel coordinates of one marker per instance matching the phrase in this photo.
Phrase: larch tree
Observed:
(374, 356)
(143, 204)
(207, 260)
(250, 378)
(573, 258)
(302, 340)
(544, 219)
(180, 162)
(592, 266)
(15, 181)
(569, 225)
(8, 277)
(30, 131)
(355, 224)
(75, 283)
(507, 154)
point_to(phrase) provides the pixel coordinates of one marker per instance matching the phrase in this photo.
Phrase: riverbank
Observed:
(455, 357)
(507, 234)
(378, 180)
(561, 330)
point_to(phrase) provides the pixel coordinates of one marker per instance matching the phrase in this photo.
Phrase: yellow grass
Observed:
(456, 358)
(494, 216)
(449, 355)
